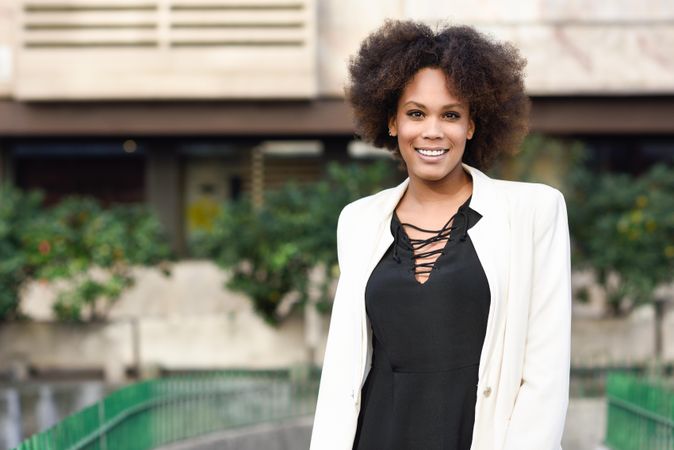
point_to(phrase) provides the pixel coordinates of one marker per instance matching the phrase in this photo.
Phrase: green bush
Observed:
(270, 251)
(66, 242)
(619, 224)
(17, 209)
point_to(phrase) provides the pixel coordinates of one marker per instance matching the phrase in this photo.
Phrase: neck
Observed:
(456, 186)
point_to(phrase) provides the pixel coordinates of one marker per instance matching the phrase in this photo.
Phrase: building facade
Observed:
(186, 103)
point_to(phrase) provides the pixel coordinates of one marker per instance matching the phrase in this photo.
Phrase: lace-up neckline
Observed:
(416, 247)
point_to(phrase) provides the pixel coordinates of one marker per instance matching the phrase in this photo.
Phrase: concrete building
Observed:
(172, 102)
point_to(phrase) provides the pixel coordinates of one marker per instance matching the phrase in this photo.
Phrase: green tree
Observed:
(625, 225)
(269, 251)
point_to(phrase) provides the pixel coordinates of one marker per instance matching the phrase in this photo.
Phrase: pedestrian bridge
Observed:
(201, 411)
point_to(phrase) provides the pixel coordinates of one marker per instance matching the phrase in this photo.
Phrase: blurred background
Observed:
(172, 172)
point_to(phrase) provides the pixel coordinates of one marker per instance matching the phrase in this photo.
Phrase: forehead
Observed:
(429, 85)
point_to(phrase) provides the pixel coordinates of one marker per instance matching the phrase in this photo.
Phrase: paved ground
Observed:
(287, 435)
(585, 424)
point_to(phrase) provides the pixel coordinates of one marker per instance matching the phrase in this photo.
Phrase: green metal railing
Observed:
(588, 378)
(640, 413)
(152, 413)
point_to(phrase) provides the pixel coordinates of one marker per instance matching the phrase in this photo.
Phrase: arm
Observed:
(335, 406)
(537, 421)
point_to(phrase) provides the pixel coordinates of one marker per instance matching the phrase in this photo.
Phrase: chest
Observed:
(432, 326)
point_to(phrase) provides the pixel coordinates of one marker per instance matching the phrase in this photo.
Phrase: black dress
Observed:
(421, 390)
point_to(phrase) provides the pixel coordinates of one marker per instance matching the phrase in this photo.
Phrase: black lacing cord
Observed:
(414, 245)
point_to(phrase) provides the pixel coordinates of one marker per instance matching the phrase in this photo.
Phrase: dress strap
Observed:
(416, 246)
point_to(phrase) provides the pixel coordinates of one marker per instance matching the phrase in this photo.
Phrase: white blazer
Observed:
(522, 242)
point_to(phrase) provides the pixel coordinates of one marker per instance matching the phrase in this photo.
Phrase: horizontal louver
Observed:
(237, 24)
(72, 25)
(223, 47)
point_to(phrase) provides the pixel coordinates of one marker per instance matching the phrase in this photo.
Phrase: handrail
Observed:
(640, 413)
(149, 414)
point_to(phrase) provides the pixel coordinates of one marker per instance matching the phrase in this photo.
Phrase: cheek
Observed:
(408, 130)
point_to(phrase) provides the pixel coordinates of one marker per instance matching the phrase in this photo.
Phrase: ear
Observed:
(392, 129)
(471, 129)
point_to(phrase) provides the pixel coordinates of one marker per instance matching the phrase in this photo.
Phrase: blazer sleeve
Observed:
(332, 427)
(539, 413)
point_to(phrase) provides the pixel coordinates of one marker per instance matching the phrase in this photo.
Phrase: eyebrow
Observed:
(420, 105)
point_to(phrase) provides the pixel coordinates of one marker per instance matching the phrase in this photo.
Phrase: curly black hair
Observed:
(486, 74)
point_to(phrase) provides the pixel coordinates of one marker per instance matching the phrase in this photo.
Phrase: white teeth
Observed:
(426, 152)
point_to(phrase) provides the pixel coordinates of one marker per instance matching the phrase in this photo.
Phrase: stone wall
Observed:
(184, 321)
(189, 321)
(579, 47)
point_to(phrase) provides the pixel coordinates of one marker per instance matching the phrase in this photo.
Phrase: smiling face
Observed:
(432, 126)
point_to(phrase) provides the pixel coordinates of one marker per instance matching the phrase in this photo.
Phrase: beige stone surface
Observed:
(250, 53)
(215, 341)
(597, 59)
(527, 11)
(341, 27)
(573, 48)
(7, 24)
(184, 321)
(193, 288)
(585, 424)
(580, 47)
(45, 345)
(188, 320)
(598, 342)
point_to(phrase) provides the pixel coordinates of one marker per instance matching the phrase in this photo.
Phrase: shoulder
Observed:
(365, 206)
(358, 222)
(537, 198)
(519, 190)
(520, 198)
(530, 206)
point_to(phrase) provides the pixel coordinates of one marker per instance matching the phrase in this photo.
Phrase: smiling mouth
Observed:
(431, 152)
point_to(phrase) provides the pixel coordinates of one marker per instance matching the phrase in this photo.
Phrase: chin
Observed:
(434, 173)
(432, 176)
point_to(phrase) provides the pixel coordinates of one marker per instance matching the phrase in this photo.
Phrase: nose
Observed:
(432, 129)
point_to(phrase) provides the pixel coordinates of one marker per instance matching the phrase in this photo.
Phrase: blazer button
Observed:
(487, 391)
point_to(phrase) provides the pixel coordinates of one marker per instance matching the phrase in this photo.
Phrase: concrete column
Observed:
(6, 172)
(164, 191)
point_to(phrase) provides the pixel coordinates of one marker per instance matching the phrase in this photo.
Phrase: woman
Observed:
(450, 328)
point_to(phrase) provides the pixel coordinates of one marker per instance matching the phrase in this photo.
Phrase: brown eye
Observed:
(415, 114)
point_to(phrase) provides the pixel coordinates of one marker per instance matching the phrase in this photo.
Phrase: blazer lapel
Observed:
(383, 237)
(490, 239)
